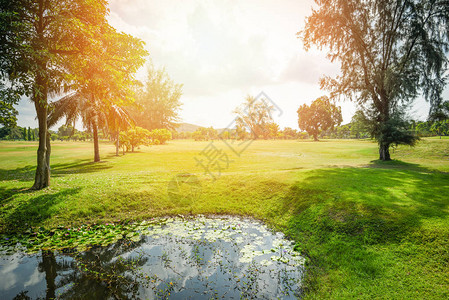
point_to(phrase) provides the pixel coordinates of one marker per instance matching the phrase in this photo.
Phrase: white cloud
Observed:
(222, 50)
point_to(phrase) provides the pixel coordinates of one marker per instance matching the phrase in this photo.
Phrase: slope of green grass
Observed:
(370, 229)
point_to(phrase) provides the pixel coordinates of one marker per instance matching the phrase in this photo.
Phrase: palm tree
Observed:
(93, 114)
(118, 119)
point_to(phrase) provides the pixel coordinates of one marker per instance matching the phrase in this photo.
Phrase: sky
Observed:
(223, 50)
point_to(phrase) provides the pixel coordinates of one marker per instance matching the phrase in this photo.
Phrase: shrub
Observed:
(160, 135)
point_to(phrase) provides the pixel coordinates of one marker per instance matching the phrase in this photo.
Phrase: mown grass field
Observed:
(370, 229)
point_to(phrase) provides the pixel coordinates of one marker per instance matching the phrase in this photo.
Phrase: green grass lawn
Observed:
(370, 229)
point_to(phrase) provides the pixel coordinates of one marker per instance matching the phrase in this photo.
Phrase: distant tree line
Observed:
(17, 133)
(321, 120)
(361, 126)
(240, 133)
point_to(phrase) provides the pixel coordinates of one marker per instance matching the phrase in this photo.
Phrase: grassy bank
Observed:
(370, 229)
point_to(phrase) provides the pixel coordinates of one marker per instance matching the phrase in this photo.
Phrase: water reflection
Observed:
(204, 258)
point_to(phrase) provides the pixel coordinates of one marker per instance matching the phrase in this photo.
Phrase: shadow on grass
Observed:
(77, 167)
(398, 164)
(32, 212)
(112, 155)
(80, 167)
(337, 214)
(19, 174)
(6, 194)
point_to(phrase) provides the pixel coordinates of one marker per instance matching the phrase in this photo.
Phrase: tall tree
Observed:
(93, 115)
(37, 38)
(157, 104)
(24, 133)
(104, 80)
(389, 52)
(255, 114)
(321, 115)
(118, 119)
(273, 130)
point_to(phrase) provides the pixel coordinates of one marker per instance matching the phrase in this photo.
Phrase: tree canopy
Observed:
(320, 115)
(104, 83)
(36, 38)
(8, 114)
(389, 53)
(49, 46)
(157, 104)
(255, 114)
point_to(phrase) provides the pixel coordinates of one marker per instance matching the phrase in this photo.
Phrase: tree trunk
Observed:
(384, 152)
(315, 137)
(48, 153)
(40, 93)
(49, 265)
(132, 148)
(117, 144)
(42, 177)
(96, 145)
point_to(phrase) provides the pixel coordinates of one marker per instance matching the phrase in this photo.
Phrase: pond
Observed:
(179, 258)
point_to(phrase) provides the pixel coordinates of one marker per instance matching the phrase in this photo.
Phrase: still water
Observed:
(201, 258)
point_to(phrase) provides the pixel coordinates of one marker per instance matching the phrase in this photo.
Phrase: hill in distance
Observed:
(187, 127)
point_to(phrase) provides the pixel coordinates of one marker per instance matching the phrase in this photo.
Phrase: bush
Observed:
(160, 135)
(134, 137)
(303, 135)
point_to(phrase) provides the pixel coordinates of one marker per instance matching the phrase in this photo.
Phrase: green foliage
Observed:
(395, 131)
(205, 134)
(320, 115)
(157, 104)
(81, 238)
(8, 114)
(440, 127)
(160, 136)
(360, 127)
(422, 128)
(182, 135)
(303, 135)
(273, 131)
(135, 137)
(389, 52)
(65, 131)
(12, 134)
(255, 114)
(24, 133)
(441, 112)
(54, 46)
(290, 134)
(241, 133)
(225, 135)
(17, 133)
(37, 38)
